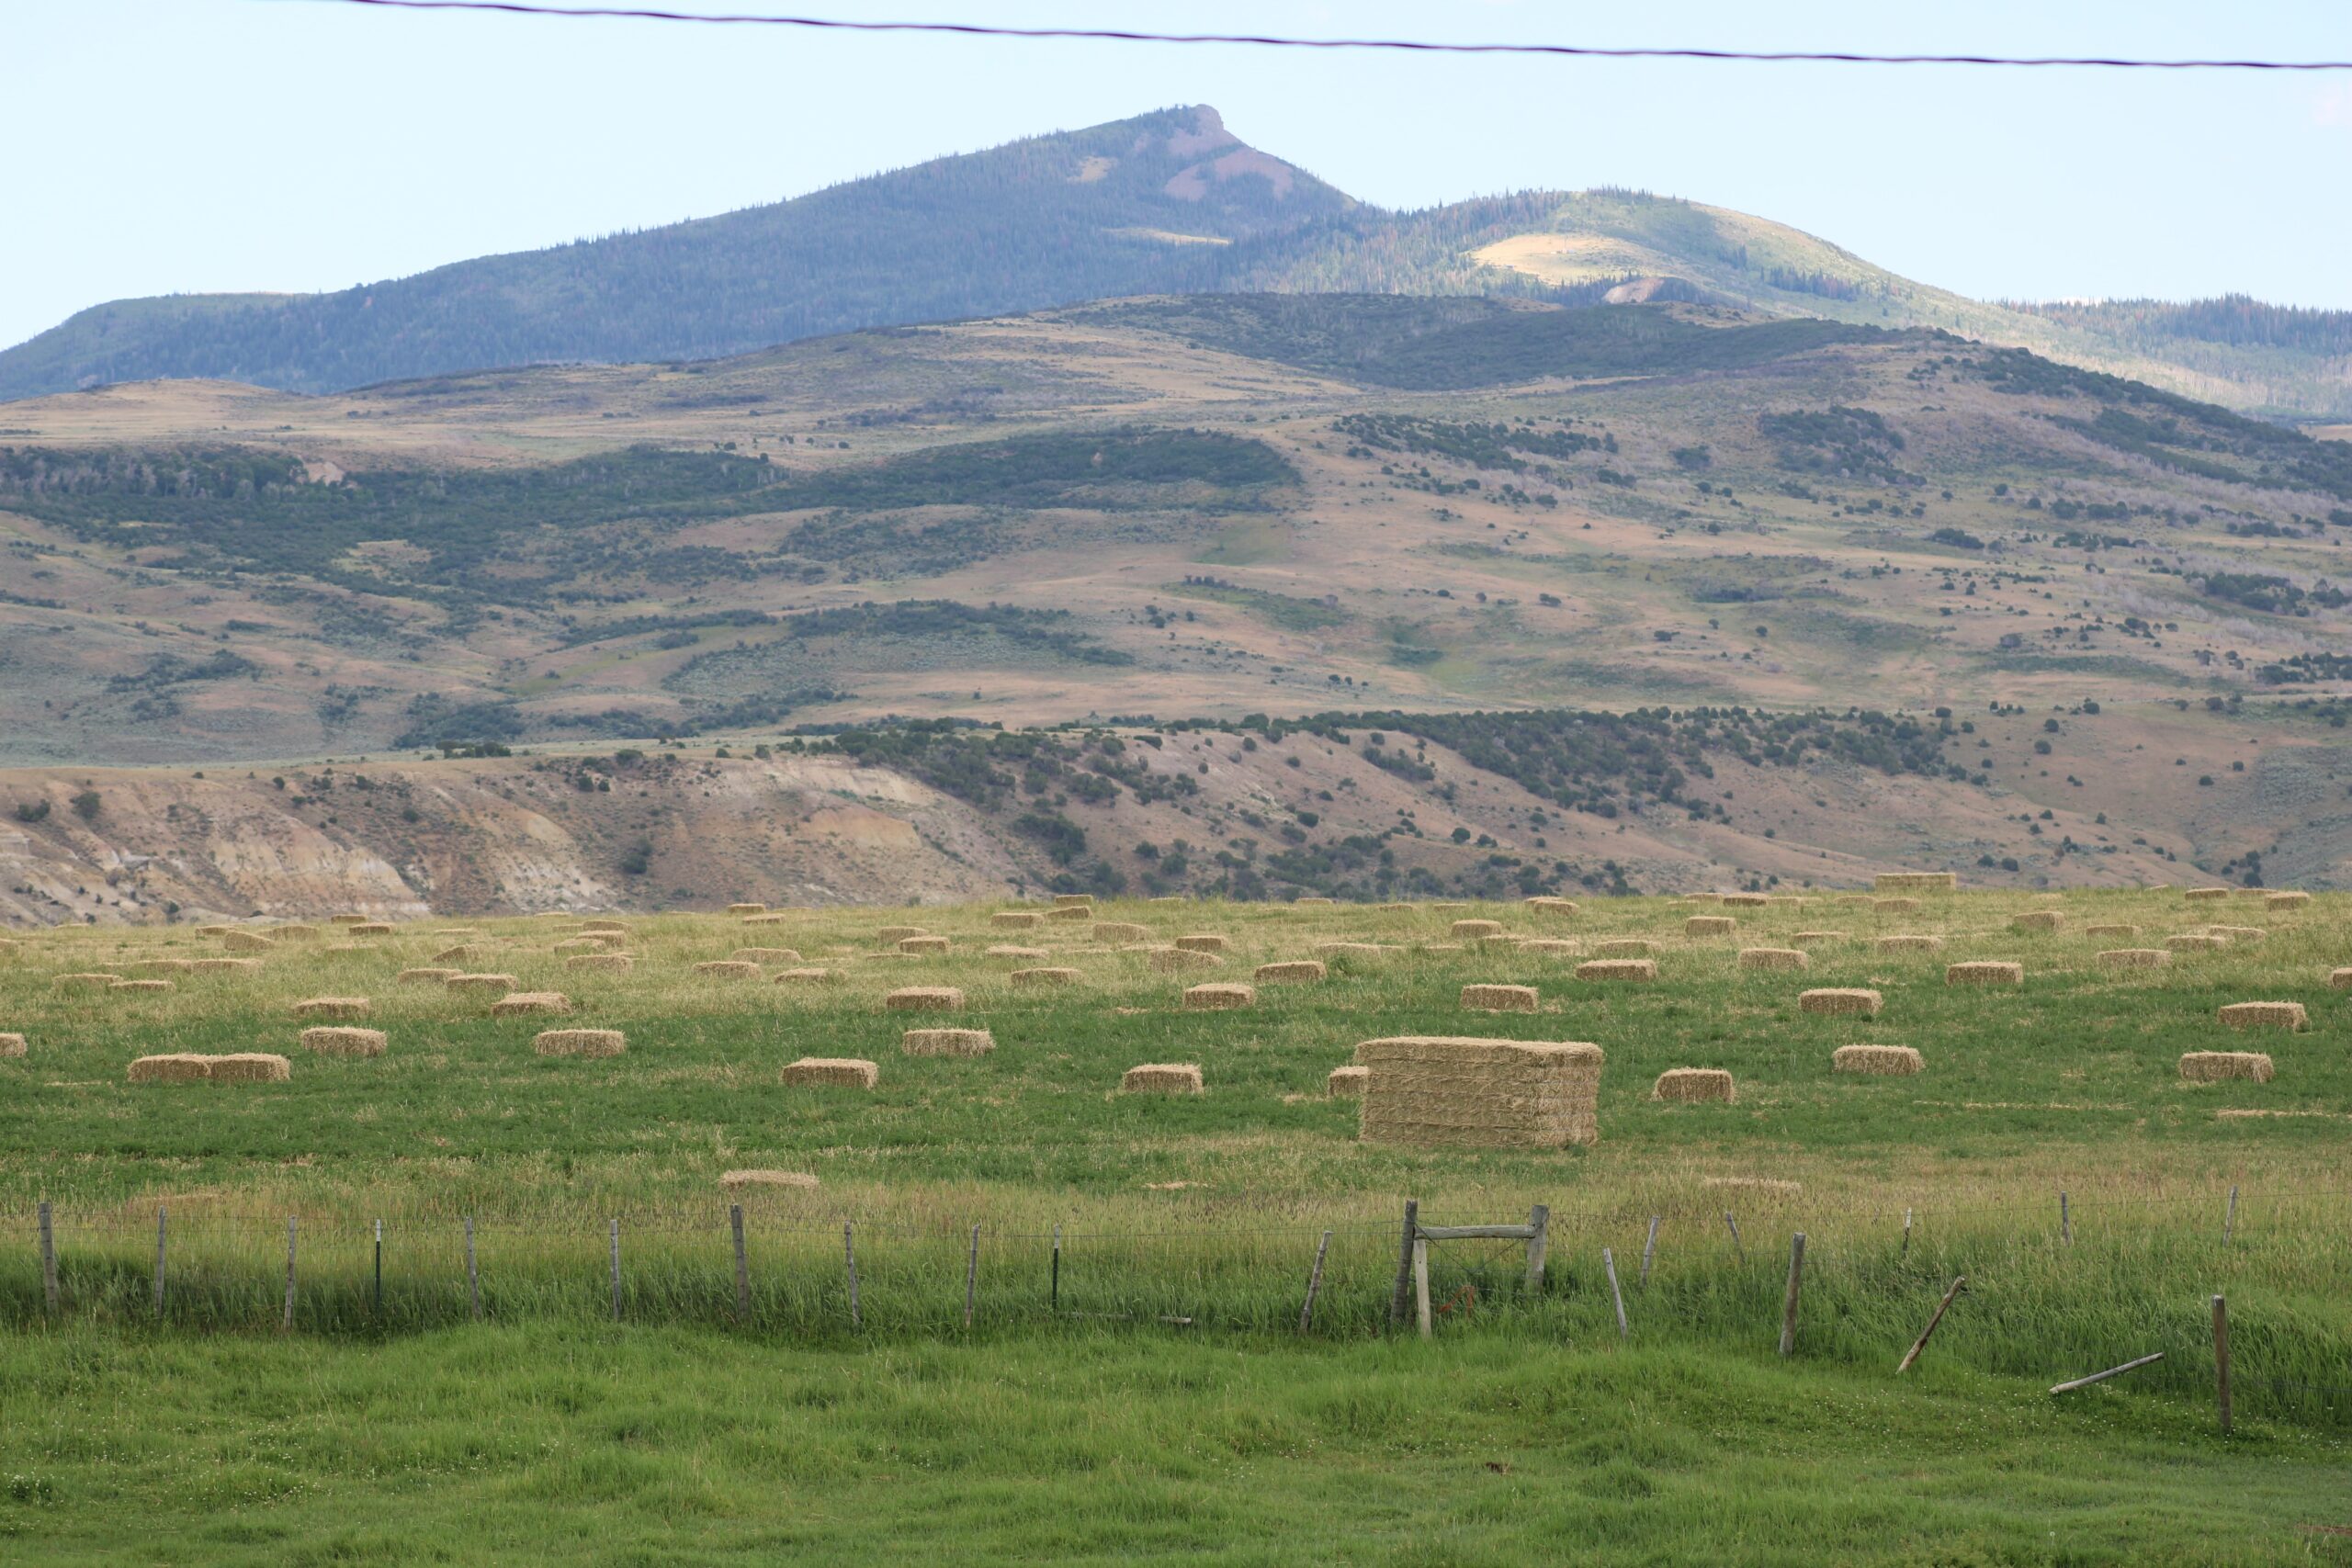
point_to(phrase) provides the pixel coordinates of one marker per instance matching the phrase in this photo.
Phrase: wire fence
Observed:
(2055, 1286)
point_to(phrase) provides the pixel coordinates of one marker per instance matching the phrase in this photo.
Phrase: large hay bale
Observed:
(347, 919)
(742, 1180)
(224, 965)
(1347, 1083)
(1219, 996)
(1746, 901)
(1017, 953)
(1908, 943)
(1560, 908)
(2111, 932)
(1984, 972)
(341, 1040)
(2134, 958)
(1070, 912)
(2339, 979)
(728, 969)
(1639, 971)
(1291, 972)
(1894, 905)
(804, 976)
(1695, 1085)
(1021, 978)
(747, 908)
(891, 936)
(1472, 931)
(90, 980)
(12, 1046)
(1447, 907)
(475, 983)
(176, 1066)
(1772, 958)
(342, 1009)
(581, 945)
(2197, 941)
(1201, 941)
(580, 1042)
(2038, 920)
(464, 952)
(246, 942)
(2203, 894)
(1915, 881)
(1841, 1001)
(141, 988)
(765, 955)
(925, 999)
(296, 934)
(1461, 1091)
(618, 928)
(839, 1072)
(919, 946)
(1499, 999)
(2291, 901)
(250, 1066)
(1121, 931)
(1816, 939)
(2289, 1016)
(162, 967)
(1073, 900)
(774, 918)
(2211, 1067)
(1392, 909)
(1884, 1061)
(1625, 947)
(946, 1043)
(522, 1004)
(1710, 925)
(1010, 918)
(602, 962)
(1173, 960)
(370, 928)
(1162, 1078)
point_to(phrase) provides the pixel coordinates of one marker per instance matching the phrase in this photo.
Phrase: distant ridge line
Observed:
(1422, 46)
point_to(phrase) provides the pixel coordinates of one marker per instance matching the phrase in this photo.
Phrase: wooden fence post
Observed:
(1906, 1233)
(2221, 1358)
(1738, 1245)
(473, 1276)
(1421, 1284)
(1314, 1283)
(1789, 1302)
(972, 1279)
(1921, 1343)
(48, 1259)
(849, 1253)
(1539, 1220)
(1054, 1287)
(1649, 1250)
(159, 1260)
(380, 1269)
(617, 1271)
(1400, 1299)
(2229, 1223)
(2065, 1220)
(1608, 1265)
(289, 1271)
(743, 1265)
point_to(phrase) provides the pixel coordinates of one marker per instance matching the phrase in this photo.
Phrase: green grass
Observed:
(598, 1445)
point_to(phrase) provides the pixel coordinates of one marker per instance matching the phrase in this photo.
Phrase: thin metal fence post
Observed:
(48, 1259)
(1054, 1286)
(743, 1265)
(1313, 1284)
(1738, 1245)
(2065, 1220)
(1609, 1264)
(1906, 1233)
(1649, 1251)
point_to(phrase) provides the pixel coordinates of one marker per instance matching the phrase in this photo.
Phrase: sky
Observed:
(171, 146)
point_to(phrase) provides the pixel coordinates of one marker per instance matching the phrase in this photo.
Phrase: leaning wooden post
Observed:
(2221, 1358)
(972, 1279)
(289, 1271)
(1649, 1250)
(1421, 1284)
(1921, 1343)
(617, 1271)
(2229, 1224)
(1539, 1222)
(473, 1275)
(1738, 1245)
(2065, 1220)
(849, 1253)
(1789, 1302)
(743, 1265)
(2110, 1373)
(48, 1259)
(1608, 1265)
(1313, 1284)
(1400, 1299)
(159, 1260)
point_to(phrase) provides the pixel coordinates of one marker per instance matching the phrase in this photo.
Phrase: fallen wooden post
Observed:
(2110, 1373)
(1921, 1343)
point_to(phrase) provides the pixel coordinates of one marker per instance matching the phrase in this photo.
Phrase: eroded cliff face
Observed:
(404, 840)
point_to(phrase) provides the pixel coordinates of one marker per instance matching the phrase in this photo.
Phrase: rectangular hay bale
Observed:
(1437, 1091)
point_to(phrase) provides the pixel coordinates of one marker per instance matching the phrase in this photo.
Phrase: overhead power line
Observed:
(1414, 45)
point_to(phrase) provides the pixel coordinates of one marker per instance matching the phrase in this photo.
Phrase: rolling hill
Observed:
(1168, 202)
